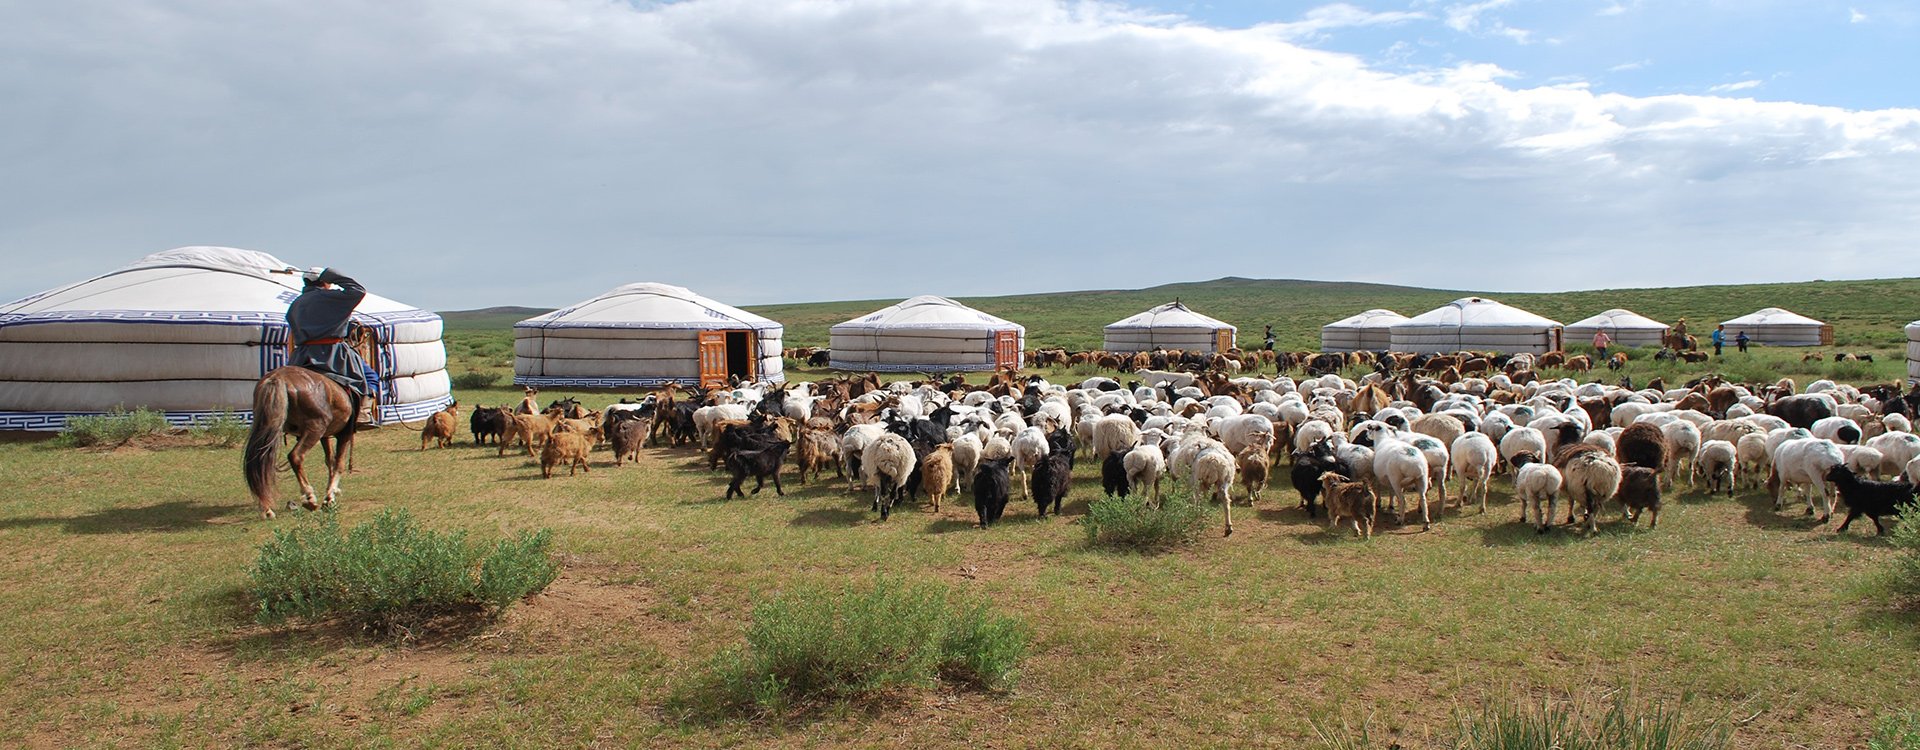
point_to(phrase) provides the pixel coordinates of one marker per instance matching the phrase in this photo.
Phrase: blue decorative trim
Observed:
(198, 317)
(414, 412)
(730, 324)
(55, 421)
(556, 382)
(876, 367)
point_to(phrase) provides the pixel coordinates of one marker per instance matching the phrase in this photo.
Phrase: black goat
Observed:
(1866, 497)
(1113, 474)
(1050, 479)
(820, 358)
(992, 481)
(488, 422)
(760, 464)
(1639, 491)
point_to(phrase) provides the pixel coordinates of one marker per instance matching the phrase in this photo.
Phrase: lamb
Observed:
(1474, 455)
(936, 474)
(1050, 479)
(760, 463)
(1350, 500)
(568, 448)
(1213, 473)
(991, 486)
(887, 462)
(1113, 474)
(439, 427)
(1865, 497)
(1718, 459)
(1639, 491)
(1144, 465)
(1535, 483)
(1253, 471)
(1804, 463)
(1589, 477)
(1756, 461)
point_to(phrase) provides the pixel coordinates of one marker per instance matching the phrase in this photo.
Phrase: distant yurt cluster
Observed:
(1370, 331)
(646, 335)
(1625, 327)
(1773, 326)
(1168, 326)
(1475, 323)
(926, 334)
(188, 332)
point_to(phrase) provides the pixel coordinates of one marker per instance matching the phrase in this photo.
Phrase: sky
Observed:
(458, 154)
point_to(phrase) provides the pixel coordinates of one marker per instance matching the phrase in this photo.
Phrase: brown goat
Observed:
(1253, 470)
(440, 426)
(936, 474)
(1351, 500)
(526, 428)
(817, 449)
(568, 448)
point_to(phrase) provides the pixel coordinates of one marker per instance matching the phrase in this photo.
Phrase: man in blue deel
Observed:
(317, 324)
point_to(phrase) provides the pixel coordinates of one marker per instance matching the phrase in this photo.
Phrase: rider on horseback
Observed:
(317, 323)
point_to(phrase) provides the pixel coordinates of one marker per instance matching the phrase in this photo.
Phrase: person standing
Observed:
(1741, 341)
(1269, 337)
(317, 324)
(1600, 342)
(1720, 340)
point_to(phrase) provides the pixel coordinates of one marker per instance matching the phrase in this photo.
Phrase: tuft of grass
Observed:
(1516, 725)
(224, 430)
(116, 427)
(1131, 523)
(814, 647)
(389, 572)
(1896, 731)
(1903, 577)
(474, 379)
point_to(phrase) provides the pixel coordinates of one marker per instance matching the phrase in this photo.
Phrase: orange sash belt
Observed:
(323, 342)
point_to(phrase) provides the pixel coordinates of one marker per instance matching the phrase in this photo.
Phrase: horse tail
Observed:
(269, 414)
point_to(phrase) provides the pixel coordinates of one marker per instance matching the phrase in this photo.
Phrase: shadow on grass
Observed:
(830, 518)
(1792, 516)
(949, 525)
(178, 515)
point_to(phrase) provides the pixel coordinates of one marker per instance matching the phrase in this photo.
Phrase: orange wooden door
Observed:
(1223, 340)
(1006, 349)
(713, 359)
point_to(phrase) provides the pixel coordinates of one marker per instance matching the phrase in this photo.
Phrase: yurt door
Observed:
(1223, 340)
(1006, 349)
(713, 359)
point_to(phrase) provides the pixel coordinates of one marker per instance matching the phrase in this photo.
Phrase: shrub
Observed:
(389, 572)
(225, 429)
(116, 427)
(1896, 731)
(815, 646)
(1576, 726)
(1131, 523)
(1903, 577)
(474, 379)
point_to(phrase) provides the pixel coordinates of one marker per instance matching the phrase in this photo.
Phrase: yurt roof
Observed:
(928, 311)
(1481, 312)
(1173, 315)
(1620, 320)
(209, 285)
(1772, 316)
(1370, 319)
(1913, 330)
(650, 305)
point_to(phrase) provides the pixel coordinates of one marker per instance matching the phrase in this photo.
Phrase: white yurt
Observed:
(1913, 352)
(1776, 327)
(188, 332)
(1476, 323)
(926, 334)
(1370, 331)
(1627, 328)
(1169, 326)
(646, 335)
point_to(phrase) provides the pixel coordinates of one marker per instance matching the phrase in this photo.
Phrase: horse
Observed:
(311, 408)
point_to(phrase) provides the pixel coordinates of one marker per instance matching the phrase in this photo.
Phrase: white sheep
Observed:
(1718, 459)
(1602, 439)
(1145, 464)
(1863, 460)
(1030, 447)
(966, 458)
(1244, 431)
(1803, 463)
(1536, 484)
(887, 462)
(1756, 461)
(1589, 479)
(1838, 429)
(1398, 467)
(1912, 471)
(1522, 440)
(1114, 432)
(1213, 474)
(1683, 440)
(853, 445)
(1896, 449)
(1474, 456)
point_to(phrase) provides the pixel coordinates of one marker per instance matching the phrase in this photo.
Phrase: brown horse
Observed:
(311, 408)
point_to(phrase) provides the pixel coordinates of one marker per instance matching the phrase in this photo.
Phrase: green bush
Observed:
(475, 379)
(1896, 731)
(115, 427)
(225, 429)
(389, 572)
(1557, 724)
(1903, 577)
(815, 646)
(1131, 523)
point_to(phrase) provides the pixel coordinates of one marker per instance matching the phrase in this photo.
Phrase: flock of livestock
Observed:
(1406, 438)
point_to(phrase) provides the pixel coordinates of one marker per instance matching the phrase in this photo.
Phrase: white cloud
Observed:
(1735, 86)
(1630, 66)
(1855, 16)
(1339, 16)
(1475, 18)
(460, 153)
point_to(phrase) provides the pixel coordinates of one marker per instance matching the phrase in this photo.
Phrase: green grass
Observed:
(117, 427)
(1131, 523)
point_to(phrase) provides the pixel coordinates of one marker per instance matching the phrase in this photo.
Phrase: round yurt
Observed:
(926, 334)
(188, 332)
(1476, 323)
(1776, 327)
(646, 335)
(1169, 326)
(1370, 331)
(1627, 328)
(1913, 352)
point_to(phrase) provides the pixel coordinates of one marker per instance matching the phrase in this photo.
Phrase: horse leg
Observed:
(297, 460)
(342, 455)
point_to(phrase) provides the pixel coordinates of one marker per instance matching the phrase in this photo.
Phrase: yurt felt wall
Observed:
(1625, 327)
(1913, 352)
(926, 334)
(1776, 327)
(642, 335)
(188, 332)
(1475, 323)
(1168, 326)
(1370, 331)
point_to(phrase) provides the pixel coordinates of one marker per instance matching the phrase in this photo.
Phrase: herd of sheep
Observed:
(1391, 441)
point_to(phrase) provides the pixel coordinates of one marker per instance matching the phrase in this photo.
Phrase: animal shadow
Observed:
(178, 515)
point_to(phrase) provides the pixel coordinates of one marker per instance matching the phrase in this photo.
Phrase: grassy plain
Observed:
(123, 572)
